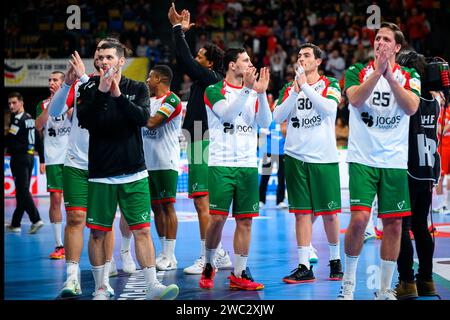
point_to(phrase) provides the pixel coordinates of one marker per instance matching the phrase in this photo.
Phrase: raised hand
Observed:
(115, 90)
(53, 88)
(77, 64)
(261, 85)
(186, 21)
(106, 79)
(71, 75)
(173, 15)
(381, 60)
(388, 75)
(249, 77)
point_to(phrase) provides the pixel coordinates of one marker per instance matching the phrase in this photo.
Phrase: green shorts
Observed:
(76, 187)
(133, 199)
(54, 173)
(391, 185)
(163, 186)
(313, 187)
(237, 185)
(197, 155)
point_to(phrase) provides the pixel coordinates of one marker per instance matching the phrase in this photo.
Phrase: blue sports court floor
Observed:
(31, 275)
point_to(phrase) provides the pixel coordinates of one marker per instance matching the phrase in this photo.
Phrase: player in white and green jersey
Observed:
(235, 107)
(382, 96)
(309, 104)
(56, 132)
(162, 156)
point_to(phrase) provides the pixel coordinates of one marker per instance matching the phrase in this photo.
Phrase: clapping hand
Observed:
(261, 85)
(106, 79)
(250, 76)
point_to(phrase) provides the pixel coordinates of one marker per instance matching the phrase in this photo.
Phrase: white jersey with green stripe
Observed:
(311, 135)
(56, 135)
(232, 143)
(379, 128)
(161, 145)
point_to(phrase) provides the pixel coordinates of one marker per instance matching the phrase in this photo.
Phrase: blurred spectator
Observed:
(335, 64)
(185, 89)
(83, 49)
(418, 29)
(43, 54)
(143, 48)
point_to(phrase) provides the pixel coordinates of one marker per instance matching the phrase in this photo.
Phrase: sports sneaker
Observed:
(58, 253)
(387, 294)
(166, 264)
(159, 257)
(108, 289)
(405, 290)
(113, 269)
(244, 282)
(197, 267)
(369, 235)
(313, 258)
(441, 210)
(101, 294)
(379, 233)
(128, 264)
(36, 226)
(336, 273)
(346, 291)
(425, 287)
(282, 205)
(71, 289)
(300, 274)
(158, 291)
(207, 279)
(10, 228)
(222, 260)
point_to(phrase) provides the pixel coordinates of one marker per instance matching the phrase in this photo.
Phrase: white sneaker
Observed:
(387, 294)
(282, 205)
(159, 257)
(197, 267)
(369, 234)
(346, 291)
(101, 294)
(108, 289)
(158, 291)
(35, 227)
(113, 269)
(313, 258)
(222, 260)
(128, 264)
(13, 229)
(166, 264)
(71, 289)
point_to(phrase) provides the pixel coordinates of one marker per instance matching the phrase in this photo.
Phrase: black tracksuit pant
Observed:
(267, 168)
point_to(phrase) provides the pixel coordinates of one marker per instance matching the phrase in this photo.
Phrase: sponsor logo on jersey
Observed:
(332, 205)
(255, 206)
(306, 122)
(149, 134)
(401, 204)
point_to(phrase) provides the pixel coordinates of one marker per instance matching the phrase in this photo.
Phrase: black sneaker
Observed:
(336, 273)
(300, 274)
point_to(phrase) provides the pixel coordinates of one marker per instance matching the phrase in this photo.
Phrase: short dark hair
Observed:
(398, 34)
(318, 53)
(15, 94)
(231, 55)
(215, 55)
(113, 45)
(165, 72)
(115, 39)
(61, 74)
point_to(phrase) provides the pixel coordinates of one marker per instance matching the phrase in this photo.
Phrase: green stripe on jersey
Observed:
(284, 92)
(352, 75)
(39, 108)
(213, 93)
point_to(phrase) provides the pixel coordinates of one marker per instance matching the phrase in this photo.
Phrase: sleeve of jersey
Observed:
(333, 91)
(58, 103)
(352, 76)
(319, 102)
(413, 81)
(285, 103)
(39, 109)
(170, 108)
(227, 112)
(263, 115)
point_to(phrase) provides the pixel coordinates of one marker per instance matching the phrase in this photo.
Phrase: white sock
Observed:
(387, 272)
(170, 247)
(351, 263)
(220, 248)
(125, 244)
(57, 233)
(163, 241)
(149, 276)
(240, 264)
(334, 251)
(370, 226)
(202, 247)
(72, 269)
(380, 224)
(209, 256)
(106, 271)
(97, 272)
(303, 256)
